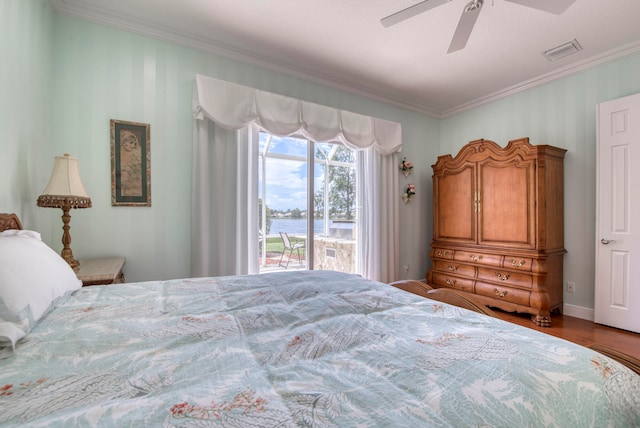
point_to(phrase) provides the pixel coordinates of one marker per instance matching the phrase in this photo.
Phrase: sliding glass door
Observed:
(307, 205)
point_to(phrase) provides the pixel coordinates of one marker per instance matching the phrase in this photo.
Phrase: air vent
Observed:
(330, 252)
(561, 51)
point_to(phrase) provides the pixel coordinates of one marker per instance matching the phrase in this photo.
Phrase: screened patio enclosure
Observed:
(307, 195)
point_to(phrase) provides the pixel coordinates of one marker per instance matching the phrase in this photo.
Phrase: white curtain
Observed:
(225, 194)
(224, 215)
(235, 107)
(378, 247)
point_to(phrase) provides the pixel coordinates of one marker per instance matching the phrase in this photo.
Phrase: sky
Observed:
(287, 179)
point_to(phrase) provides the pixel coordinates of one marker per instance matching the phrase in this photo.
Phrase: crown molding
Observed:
(132, 25)
(104, 17)
(612, 55)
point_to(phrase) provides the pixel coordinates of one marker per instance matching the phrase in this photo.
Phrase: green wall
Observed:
(561, 113)
(26, 54)
(62, 79)
(95, 73)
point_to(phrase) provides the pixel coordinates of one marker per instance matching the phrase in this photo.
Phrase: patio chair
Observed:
(291, 247)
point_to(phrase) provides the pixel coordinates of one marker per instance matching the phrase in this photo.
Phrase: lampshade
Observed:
(65, 190)
(65, 186)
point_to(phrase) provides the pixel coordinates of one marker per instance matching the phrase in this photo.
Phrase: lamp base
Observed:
(66, 203)
(66, 253)
(68, 257)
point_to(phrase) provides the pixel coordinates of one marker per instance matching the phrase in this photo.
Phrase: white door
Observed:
(617, 288)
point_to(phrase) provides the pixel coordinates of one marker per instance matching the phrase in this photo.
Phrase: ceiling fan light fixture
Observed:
(470, 15)
(563, 50)
(473, 5)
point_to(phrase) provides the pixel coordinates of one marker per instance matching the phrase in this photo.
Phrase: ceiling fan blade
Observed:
(411, 11)
(465, 25)
(551, 6)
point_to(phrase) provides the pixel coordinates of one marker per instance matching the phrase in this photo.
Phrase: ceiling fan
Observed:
(470, 15)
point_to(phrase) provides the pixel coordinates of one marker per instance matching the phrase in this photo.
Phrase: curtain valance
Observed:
(235, 106)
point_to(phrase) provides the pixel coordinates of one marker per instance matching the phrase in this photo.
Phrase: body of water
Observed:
(296, 226)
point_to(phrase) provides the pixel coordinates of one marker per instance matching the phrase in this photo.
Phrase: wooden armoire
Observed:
(498, 225)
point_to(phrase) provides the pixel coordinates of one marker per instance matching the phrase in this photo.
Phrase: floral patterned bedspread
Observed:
(312, 349)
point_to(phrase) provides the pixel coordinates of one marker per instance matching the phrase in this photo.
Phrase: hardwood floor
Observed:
(581, 331)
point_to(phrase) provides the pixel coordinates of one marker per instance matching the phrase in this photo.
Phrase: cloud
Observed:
(286, 184)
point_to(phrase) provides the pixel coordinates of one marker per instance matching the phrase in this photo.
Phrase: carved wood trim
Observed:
(9, 221)
(413, 286)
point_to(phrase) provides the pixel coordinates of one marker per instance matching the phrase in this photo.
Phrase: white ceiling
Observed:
(343, 44)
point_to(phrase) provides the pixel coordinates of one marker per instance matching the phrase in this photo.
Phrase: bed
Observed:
(289, 349)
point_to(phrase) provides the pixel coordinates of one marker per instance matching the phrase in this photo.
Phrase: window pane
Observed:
(286, 185)
(284, 188)
(322, 150)
(342, 194)
(335, 248)
(289, 146)
(320, 222)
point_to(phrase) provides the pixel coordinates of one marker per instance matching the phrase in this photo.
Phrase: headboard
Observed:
(9, 221)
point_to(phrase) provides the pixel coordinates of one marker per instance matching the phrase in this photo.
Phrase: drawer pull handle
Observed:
(516, 263)
(500, 293)
(476, 258)
(452, 268)
(503, 277)
(451, 282)
(442, 253)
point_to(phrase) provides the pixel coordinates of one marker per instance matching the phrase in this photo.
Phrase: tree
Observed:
(342, 180)
(268, 215)
(318, 203)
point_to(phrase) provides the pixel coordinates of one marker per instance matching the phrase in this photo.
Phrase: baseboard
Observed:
(577, 312)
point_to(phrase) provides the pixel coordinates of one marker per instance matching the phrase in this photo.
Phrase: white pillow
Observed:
(33, 278)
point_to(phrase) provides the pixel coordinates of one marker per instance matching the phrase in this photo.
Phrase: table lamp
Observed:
(65, 190)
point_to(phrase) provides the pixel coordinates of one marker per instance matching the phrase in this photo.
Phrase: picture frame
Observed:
(130, 163)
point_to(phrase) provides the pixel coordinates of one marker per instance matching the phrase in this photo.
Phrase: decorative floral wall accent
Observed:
(408, 193)
(406, 167)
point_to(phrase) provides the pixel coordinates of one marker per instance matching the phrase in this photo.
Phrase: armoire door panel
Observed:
(455, 219)
(507, 214)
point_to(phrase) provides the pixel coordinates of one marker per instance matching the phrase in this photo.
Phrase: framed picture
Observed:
(130, 164)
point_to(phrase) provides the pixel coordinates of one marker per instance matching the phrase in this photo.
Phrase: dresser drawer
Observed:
(441, 279)
(442, 253)
(508, 277)
(478, 257)
(518, 263)
(451, 267)
(512, 295)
